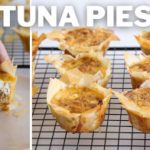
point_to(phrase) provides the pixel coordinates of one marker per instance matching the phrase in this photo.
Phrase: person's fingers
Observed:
(3, 53)
(5, 63)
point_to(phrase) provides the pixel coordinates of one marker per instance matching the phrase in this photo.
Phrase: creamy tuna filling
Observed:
(86, 65)
(4, 92)
(140, 96)
(86, 37)
(78, 100)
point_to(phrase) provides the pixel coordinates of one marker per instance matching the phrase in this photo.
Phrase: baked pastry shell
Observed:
(74, 76)
(144, 43)
(74, 50)
(35, 88)
(36, 40)
(137, 77)
(139, 117)
(77, 122)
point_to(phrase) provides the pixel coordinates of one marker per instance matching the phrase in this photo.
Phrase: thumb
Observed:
(3, 53)
(5, 63)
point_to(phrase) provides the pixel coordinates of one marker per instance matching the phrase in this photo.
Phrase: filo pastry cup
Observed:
(138, 68)
(7, 86)
(91, 67)
(144, 41)
(83, 40)
(137, 104)
(27, 9)
(78, 108)
(35, 88)
(36, 40)
(24, 35)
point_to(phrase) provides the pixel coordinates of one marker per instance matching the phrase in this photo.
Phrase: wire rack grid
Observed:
(116, 133)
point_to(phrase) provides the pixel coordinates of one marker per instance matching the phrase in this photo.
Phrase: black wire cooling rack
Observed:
(116, 133)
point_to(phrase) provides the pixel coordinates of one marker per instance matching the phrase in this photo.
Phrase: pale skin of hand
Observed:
(3, 53)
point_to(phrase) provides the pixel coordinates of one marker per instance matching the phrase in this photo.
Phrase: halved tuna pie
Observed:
(137, 104)
(24, 34)
(77, 108)
(83, 40)
(91, 67)
(7, 86)
(138, 68)
(144, 41)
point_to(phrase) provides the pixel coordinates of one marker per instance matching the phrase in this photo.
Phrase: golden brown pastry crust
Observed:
(140, 96)
(137, 104)
(83, 40)
(141, 122)
(80, 121)
(35, 88)
(138, 68)
(91, 66)
(144, 41)
(142, 66)
(36, 42)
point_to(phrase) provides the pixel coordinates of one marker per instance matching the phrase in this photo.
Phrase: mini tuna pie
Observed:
(91, 67)
(78, 108)
(138, 68)
(144, 41)
(24, 34)
(137, 104)
(83, 40)
(36, 40)
(7, 86)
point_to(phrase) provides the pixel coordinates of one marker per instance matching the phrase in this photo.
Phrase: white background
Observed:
(126, 35)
